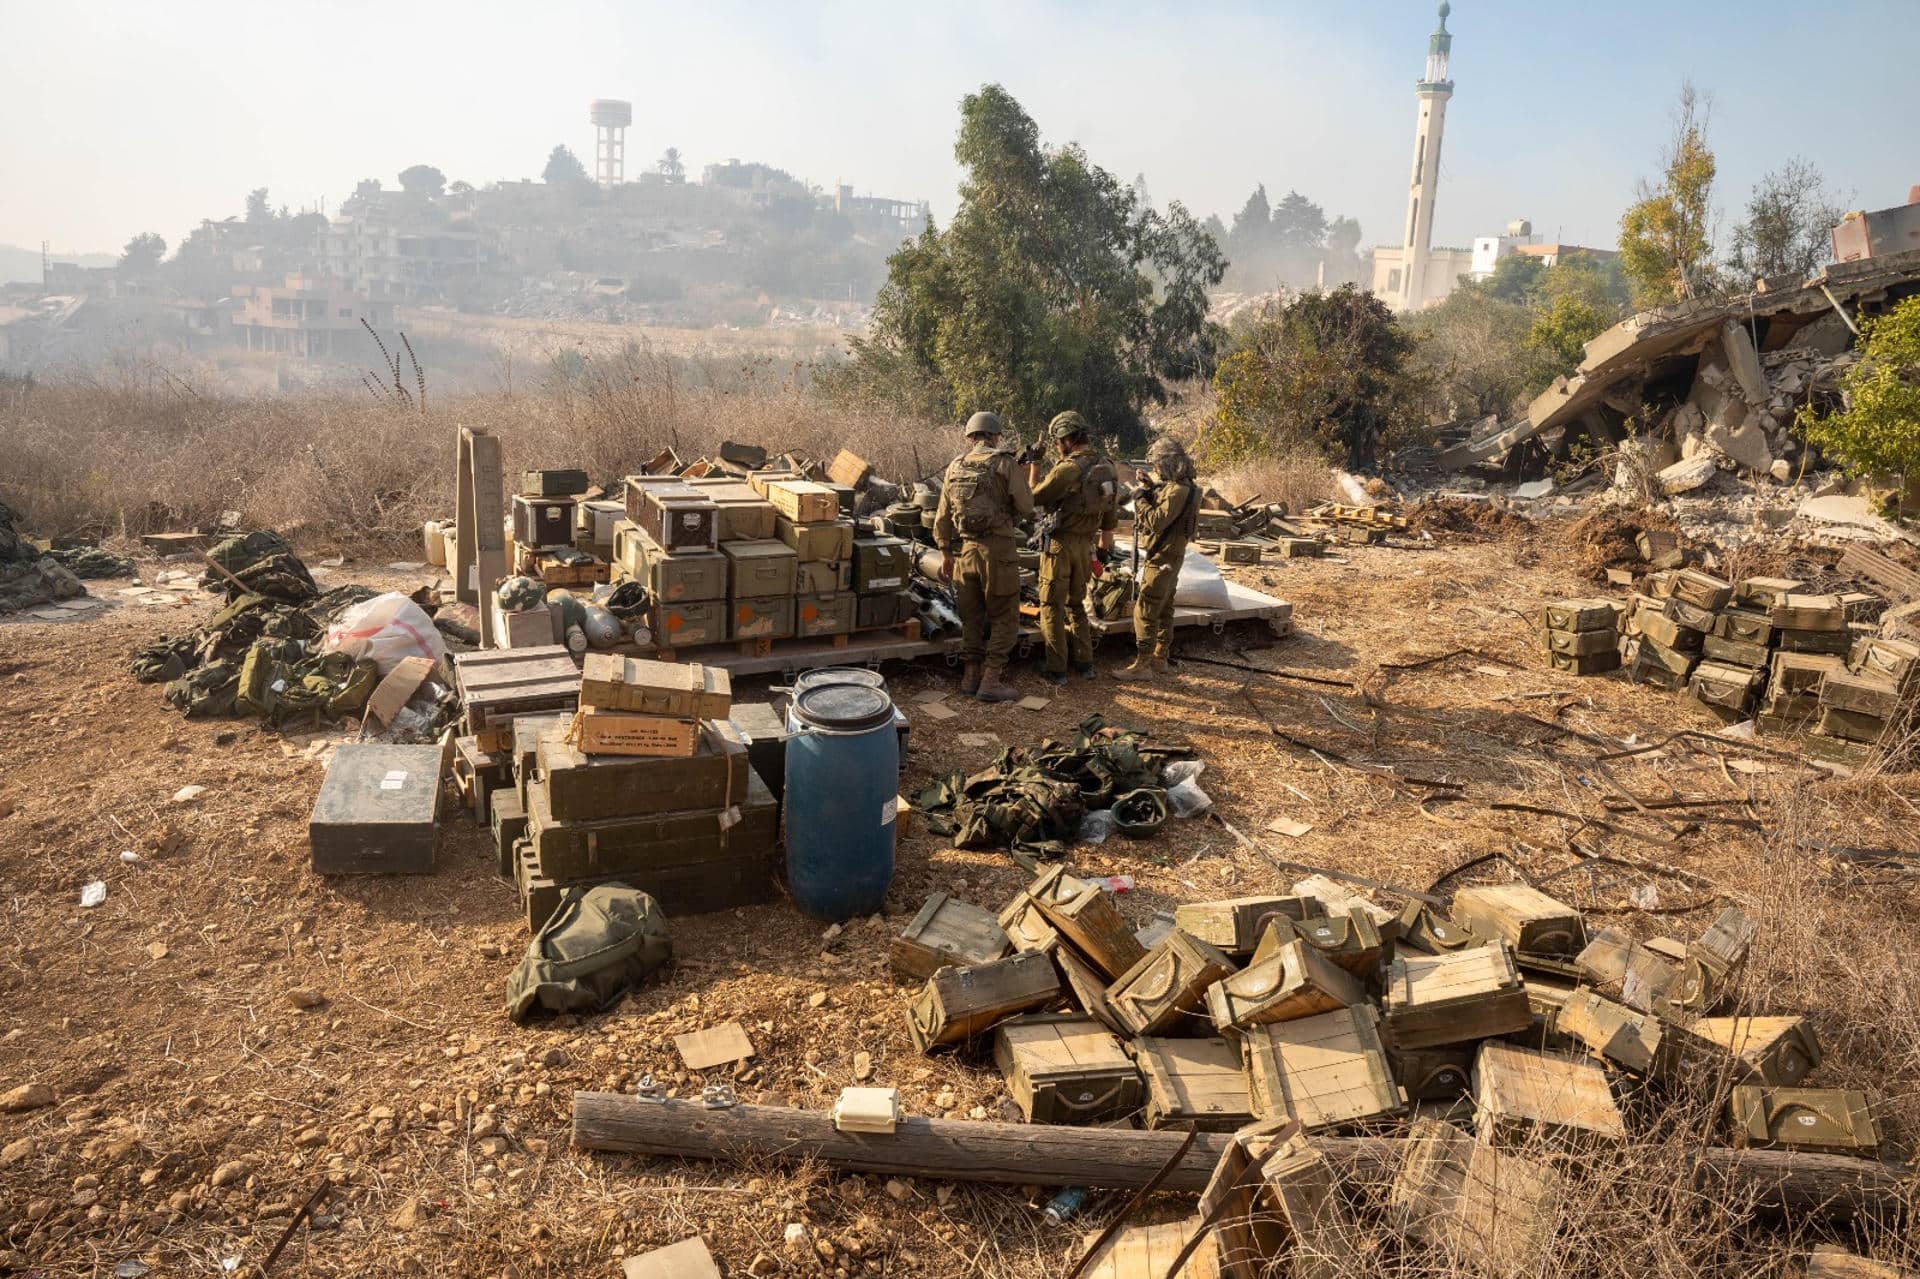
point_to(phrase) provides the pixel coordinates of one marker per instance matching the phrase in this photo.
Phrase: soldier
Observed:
(1165, 512)
(983, 496)
(1078, 497)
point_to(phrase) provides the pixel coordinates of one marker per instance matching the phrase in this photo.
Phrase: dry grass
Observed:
(1298, 479)
(135, 450)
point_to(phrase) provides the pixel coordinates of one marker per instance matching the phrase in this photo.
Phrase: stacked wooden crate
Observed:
(669, 542)
(1582, 635)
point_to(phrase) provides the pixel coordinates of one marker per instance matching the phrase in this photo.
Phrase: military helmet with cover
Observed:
(1068, 425)
(984, 423)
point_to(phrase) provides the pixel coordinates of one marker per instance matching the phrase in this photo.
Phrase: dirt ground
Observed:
(197, 1099)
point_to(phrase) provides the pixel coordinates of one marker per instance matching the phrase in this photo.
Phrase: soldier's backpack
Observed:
(206, 693)
(601, 942)
(973, 483)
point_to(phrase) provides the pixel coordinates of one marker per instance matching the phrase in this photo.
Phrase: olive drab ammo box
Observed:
(509, 823)
(1326, 1071)
(1433, 1074)
(1836, 1121)
(1352, 940)
(803, 502)
(689, 624)
(1064, 1069)
(377, 810)
(1085, 987)
(946, 932)
(582, 787)
(1781, 1051)
(675, 517)
(1087, 917)
(881, 564)
(873, 611)
(553, 483)
(1194, 1083)
(1526, 918)
(1454, 998)
(682, 577)
(579, 848)
(821, 577)
(1579, 615)
(1236, 924)
(771, 617)
(757, 570)
(959, 1004)
(1424, 928)
(1165, 991)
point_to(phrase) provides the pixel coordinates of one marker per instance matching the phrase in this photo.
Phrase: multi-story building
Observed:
(312, 318)
(394, 255)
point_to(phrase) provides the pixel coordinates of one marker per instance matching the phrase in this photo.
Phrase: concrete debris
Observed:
(1845, 515)
(1689, 474)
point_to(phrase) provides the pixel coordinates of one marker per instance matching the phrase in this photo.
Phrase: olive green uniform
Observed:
(983, 496)
(1163, 524)
(1080, 491)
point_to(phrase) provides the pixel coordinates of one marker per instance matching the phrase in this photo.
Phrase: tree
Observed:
(671, 167)
(143, 253)
(564, 169)
(259, 209)
(1327, 369)
(1473, 349)
(1515, 278)
(1664, 235)
(1342, 253)
(1879, 431)
(1051, 289)
(1787, 234)
(1253, 224)
(423, 179)
(1560, 332)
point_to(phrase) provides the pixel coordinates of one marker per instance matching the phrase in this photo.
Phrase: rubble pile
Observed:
(27, 577)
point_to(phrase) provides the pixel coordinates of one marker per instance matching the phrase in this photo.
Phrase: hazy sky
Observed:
(118, 117)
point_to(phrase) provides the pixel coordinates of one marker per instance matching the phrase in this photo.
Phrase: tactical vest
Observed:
(1085, 505)
(977, 494)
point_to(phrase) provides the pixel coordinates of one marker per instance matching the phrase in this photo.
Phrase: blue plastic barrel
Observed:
(843, 773)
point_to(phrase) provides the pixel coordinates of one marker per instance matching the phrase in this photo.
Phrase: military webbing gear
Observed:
(984, 423)
(1033, 800)
(167, 658)
(206, 693)
(975, 492)
(1067, 425)
(263, 564)
(518, 594)
(1141, 812)
(600, 943)
(1110, 595)
(1079, 492)
(278, 683)
(1169, 519)
(91, 561)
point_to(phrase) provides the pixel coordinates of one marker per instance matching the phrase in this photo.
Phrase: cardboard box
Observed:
(682, 690)
(758, 569)
(770, 618)
(684, 576)
(831, 541)
(689, 624)
(603, 732)
(527, 628)
(817, 615)
(803, 501)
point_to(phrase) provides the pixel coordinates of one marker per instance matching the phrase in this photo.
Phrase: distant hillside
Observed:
(22, 266)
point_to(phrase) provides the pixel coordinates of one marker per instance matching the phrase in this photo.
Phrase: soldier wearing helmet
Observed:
(983, 496)
(1079, 498)
(1166, 510)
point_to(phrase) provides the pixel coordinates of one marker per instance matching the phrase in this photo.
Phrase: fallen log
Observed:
(1120, 1158)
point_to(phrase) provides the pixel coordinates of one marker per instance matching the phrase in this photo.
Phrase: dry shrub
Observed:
(1299, 478)
(1606, 539)
(134, 453)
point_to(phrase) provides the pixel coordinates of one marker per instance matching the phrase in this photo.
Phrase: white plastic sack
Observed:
(1097, 825)
(1184, 795)
(385, 628)
(1200, 584)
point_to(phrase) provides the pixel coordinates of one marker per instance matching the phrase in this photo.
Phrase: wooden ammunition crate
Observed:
(1578, 615)
(1433, 1074)
(1724, 687)
(1194, 1083)
(1691, 616)
(1520, 1095)
(542, 521)
(1873, 696)
(1526, 918)
(815, 616)
(1455, 998)
(1734, 652)
(1425, 929)
(803, 501)
(1669, 634)
(1836, 1121)
(959, 1004)
(1066, 1069)
(1088, 918)
(1638, 1043)
(685, 690)
(1582, 643)
(1781, 1051)
(1326, 1071)
(1746, 625)
(1294, 981)
(1148, 1252)
(1028, 930)
(1496, 1211)
(498, 686)
(1765, 592)
(946, 932)
(1352, 941)
(700, 888)
(1798, 612)
(1165, 991)
(377, 810)
(583, 787)
(509, 824)
(1086, 988)
(675, 518)
(875, 611)
(581, 848)
(1236, 924)
(757, 570)
(596, 731)
(1701, 589)
(1623, 969)
(689, 623)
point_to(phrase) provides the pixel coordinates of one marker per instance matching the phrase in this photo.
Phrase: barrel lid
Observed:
(843, 706)
(840, 675)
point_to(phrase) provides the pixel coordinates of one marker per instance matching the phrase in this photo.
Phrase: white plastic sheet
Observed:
(1200, 585)
(385, 628)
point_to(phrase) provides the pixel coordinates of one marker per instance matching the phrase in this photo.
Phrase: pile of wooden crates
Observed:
(1283, 1017)
(768, 557)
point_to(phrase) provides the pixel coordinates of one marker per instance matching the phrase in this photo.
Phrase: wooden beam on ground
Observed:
(1121, 1158)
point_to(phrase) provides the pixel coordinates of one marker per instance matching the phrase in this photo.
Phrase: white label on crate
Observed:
(394, 780)
(889, 810)
(882, 583)
(473, 578)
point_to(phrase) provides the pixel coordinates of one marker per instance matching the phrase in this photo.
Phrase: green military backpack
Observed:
(601, 942)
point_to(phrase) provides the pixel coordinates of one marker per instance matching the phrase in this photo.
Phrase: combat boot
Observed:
(1141, 669)
(970, 679)
(993, 690)
(1161, 666)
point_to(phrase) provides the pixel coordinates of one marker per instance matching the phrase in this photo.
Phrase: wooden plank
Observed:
(1899, 583)
(1052, 1155)
(1520, 1095)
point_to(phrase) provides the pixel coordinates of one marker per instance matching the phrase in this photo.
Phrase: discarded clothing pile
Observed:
(27, 577)
(1032, 801)
(258, 655)
(91, 561)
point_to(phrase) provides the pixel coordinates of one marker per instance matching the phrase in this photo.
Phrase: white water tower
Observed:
(610, 120)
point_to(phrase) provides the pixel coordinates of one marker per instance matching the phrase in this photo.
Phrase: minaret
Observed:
(1433, 92)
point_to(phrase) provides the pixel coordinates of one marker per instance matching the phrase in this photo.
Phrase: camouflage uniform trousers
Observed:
(1065, 574)
(986, 586)
(1153, 611)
